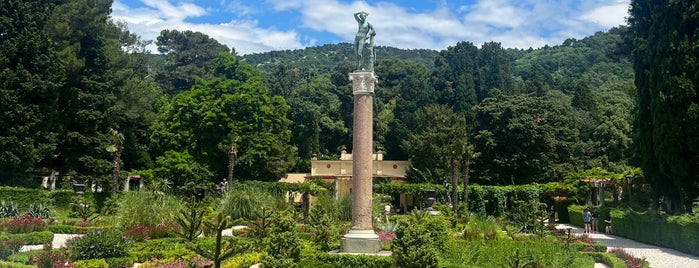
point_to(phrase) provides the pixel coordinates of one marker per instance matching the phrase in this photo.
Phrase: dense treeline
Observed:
(81, 95)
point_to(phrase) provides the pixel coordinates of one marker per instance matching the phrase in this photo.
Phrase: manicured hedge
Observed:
(346, 260)
(490, 200)
(24, 196)
(34, 238)
(58, 198)
(7, 264)
(607, 258)
(674, 232)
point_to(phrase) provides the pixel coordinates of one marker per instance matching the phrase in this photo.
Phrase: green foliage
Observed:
(243, 260)
(39, 210)
(8, 208)
(190, 220)
(163, 249)
(99, 263)
(190, 177)
(146, 209)
(641, 226)
(81, 208)
(283, 244)
(23, 197)
(244, 201)
(8, 264)
(527, 216)
(99, 245)
(663, 37)
(419, 239)
(47, 258)
(437, 144)
(9, 247)
(527, 253)
(222, 249)
(233, 108)
(32, 238)
(481, 229)
(346, 260)
(608, 259)
(321, 225)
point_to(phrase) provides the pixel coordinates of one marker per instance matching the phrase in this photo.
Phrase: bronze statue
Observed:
(365, 30)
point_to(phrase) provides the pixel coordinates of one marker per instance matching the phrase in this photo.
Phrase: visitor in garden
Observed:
(587, 218)
(595, 220)
(608, 228)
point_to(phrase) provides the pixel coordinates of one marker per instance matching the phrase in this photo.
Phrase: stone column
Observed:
(361, 237)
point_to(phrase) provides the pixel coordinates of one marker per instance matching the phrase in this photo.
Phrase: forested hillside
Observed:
(80, 95)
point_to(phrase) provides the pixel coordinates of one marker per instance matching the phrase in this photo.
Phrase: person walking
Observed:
(595, 220)
(587, 219)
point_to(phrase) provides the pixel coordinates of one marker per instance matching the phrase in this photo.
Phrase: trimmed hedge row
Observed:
(492, 200)
(607, 258)
(34, 238)
(325, 260)
(674, 232)
(24, 197)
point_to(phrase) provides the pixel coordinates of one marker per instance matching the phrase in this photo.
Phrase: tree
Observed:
(188, 55)
(665, 41)
(86, 43)
(523, 138)
(232, 107)
(438, 140)
(31, 72)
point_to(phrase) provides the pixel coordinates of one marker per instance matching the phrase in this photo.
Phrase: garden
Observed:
(259, 223)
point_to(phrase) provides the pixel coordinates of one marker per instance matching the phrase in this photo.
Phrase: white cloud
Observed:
(608, 15)
(514, 23)
(244, 35)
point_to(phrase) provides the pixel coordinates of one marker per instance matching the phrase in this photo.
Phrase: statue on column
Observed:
(366, 30)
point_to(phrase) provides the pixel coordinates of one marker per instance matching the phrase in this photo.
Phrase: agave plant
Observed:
(39, 210)
(8, 208)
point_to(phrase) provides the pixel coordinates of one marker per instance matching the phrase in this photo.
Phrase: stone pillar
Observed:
(361, 237)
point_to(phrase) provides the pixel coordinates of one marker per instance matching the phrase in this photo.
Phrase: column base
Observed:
(360, 241)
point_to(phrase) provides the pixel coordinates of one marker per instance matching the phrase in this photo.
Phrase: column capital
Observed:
(363, 82)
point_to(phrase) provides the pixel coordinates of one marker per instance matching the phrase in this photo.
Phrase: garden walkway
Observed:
(658, 257)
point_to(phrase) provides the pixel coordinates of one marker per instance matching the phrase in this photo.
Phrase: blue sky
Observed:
(263, 25)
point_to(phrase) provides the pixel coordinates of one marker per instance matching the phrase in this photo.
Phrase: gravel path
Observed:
(657, 257)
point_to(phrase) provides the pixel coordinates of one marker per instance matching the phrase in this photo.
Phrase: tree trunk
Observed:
(466, 166)
(454, 184)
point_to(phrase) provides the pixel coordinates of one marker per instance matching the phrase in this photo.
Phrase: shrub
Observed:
(284, 247)
(33, 238)
(49, 258)
(243, 261)
(8, 209)
(100, 263)
(25, 224)
(138, 233)
(7, 264)
(194, 262)
(39, 210)
(98, 245)
(347, 260)
(81, 208)
(629, 259)
(418, 240)
(9, 247)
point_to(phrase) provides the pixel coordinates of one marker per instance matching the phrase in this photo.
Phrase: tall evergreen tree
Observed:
(31, 73)
(666, 48)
